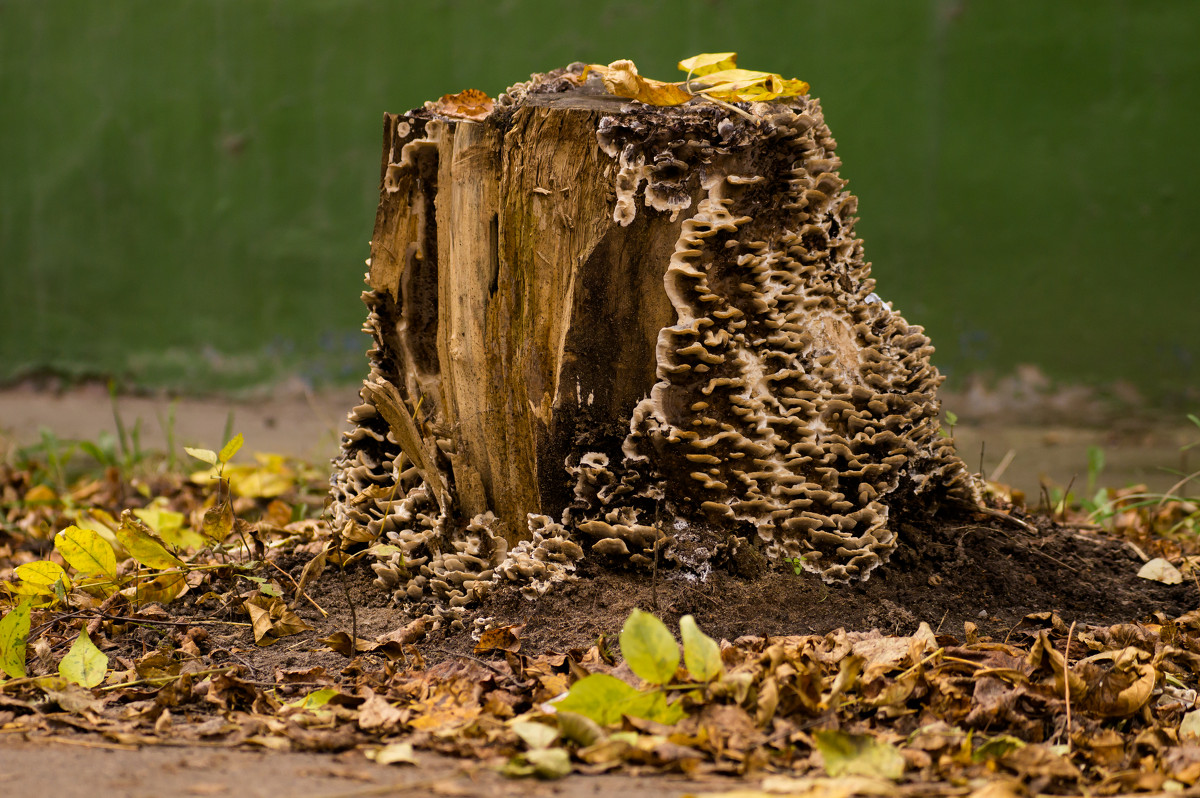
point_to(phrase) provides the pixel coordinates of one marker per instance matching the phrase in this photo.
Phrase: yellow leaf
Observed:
(84, 664)
(99, 522)
(230, 448)
(162, 589)
(14, 632)
(622, 79)
(43, 575)
(86, 552)
(168, 525)
(740, 85)
(705, 63)
(143, 545)
(794, 87)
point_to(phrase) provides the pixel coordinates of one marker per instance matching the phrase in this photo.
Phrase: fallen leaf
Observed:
(534, 735)
(84, 664)
(162, 589)
(86, 552)
(500, 638)
(858, 755)
(394, 754)
(1161, 570)
(14, 632)
(706, 63)
(378, 715)
(143, 545)
(622, 79)
(271, 619)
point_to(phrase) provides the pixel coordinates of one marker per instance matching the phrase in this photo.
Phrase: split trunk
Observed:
(651, 326)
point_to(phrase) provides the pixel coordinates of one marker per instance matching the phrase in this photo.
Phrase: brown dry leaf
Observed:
(272, 619)
(500, 638)
(450, 705)
(622, 79)
(377, 715)
(340, 642)
(312, 571)
(1121, 688)
(471, 104)
(1038, 760)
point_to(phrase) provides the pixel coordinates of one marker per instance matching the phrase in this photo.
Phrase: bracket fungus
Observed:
(633, 332)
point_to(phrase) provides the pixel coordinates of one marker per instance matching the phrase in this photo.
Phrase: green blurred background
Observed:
(187, 188)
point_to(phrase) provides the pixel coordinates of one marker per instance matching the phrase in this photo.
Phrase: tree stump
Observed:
(629, 331)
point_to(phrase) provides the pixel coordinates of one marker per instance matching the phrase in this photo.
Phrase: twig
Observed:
(296, 585)
(193, 622)
(83, 743)
(1003, 465)
(349, 601)
(161, 680)
(657, 538)
(1067, 680)
(396, 788)
(988, 511)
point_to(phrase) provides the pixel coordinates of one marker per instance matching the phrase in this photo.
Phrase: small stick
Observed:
(297, 586)
(1004, 464)
(1067, 681)
(988, 511)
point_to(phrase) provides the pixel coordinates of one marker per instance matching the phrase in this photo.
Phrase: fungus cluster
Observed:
(790, 398)
(791, 409)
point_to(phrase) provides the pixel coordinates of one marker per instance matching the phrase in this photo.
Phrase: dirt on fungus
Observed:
(989, 573)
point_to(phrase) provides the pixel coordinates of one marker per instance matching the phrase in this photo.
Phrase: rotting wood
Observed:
(602, 308)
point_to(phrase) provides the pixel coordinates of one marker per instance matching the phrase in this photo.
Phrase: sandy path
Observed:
(89, 768)
(307, 425)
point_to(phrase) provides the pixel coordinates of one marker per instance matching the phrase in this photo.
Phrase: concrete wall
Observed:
(187, 188)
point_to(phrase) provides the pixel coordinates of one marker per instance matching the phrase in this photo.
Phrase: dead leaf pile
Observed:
(132, 610)
(711, 76)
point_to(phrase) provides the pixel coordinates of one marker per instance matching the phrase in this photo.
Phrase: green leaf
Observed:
(701, 653)
(535, 735)
(143, 545)
(858, 755)
(203, 455)
(653, 706)
(649, 648)
(604, 699)
(997, 746)
(549, 763)
(86, 552)
(230, 448)
(600, 697)
(315, 699)
(84, 665)
(42, 575)
(14, 632)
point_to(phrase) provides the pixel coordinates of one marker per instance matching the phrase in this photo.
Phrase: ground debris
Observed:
(1051, 692)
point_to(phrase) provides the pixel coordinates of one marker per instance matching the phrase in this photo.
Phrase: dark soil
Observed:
(990, 573)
